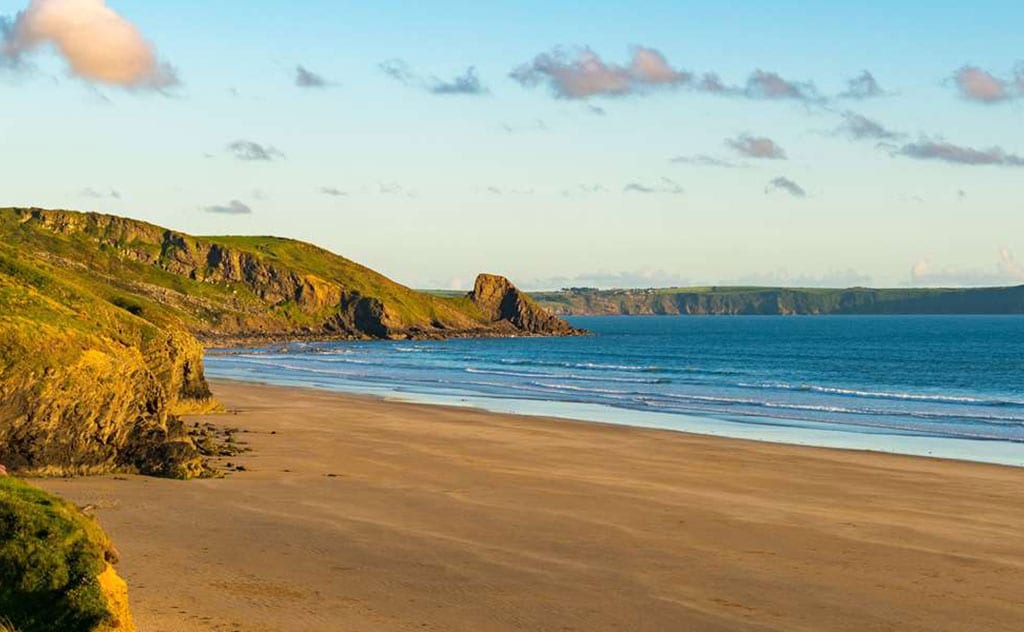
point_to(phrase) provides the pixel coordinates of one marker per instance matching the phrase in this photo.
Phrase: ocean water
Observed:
(947, 386)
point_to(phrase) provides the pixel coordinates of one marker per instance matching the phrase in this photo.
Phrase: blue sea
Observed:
(944, 386)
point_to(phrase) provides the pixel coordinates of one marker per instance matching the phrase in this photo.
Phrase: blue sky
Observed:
(533, 178)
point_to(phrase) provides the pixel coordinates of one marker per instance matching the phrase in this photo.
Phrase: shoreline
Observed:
(800, 434)
(356, 512)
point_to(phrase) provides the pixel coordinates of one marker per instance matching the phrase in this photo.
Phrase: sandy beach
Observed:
(359, 514)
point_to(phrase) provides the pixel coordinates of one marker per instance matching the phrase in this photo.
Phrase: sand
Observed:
(360, 514)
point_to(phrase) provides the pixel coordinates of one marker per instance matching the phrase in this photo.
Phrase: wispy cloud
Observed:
(979, 85)
(757, 147)
(1006, 271)
(234, 207)
(943, 151)
(785, 185)
(395, 188)
(306, 78)
(607, 279)
(665, 186)
(496, 190)
(397, 70)
(769, 85)
(585, 189)
(860, 127)
(468, 83)
(863, 86)
(96, 194)
(332, 192)
(704, 160)
(537, 125)
(98, 43)
(783, 278)
(254, 152)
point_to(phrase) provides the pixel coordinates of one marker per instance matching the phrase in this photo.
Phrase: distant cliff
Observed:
(783, 301)
(101, 319)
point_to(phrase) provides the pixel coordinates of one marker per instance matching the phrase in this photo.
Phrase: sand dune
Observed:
(358, 514)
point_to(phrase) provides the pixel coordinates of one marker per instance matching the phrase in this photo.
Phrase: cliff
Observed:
(783, 301)
(56, 567)
(101, 319)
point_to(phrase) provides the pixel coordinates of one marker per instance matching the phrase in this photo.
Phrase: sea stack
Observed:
(503, 302)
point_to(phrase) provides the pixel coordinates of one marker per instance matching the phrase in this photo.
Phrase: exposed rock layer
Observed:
(100, 315)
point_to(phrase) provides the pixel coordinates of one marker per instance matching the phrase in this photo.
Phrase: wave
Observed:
(734, 402)
(560, 376)
(914, 397)
(632, 368)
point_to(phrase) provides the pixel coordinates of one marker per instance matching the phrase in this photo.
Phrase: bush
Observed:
(51, 556)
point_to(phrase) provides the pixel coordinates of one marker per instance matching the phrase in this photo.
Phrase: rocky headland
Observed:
(103, 321)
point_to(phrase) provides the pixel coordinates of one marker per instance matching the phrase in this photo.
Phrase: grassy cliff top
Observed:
(54, 566)
(220, 285)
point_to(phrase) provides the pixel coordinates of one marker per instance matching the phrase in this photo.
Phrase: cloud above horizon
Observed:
(605, 279)
(250, 151)
(757, 147)
(467, 83)
(863, 86)
(98, 44)
(665, 186)
(783, 278)
(769, 85)
(943, 151)
(1007, 271)
(306, 78)
(704, 160)
(785, 185)
(96, 194)
(583, 74)
(977, 84)
(859, 127)
(234, 207)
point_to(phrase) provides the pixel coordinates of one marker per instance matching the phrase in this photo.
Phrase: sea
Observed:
(940, 386)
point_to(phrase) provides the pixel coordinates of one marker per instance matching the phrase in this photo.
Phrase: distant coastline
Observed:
(782, 301)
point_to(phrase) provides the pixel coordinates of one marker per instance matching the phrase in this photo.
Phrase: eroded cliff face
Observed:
(101, 319)
(73, 403)
(87, 387)
(502, 302)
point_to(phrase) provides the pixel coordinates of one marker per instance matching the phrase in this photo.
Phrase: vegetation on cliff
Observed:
(101, 319)
(784, 301)
(56, 566)
(232, 287)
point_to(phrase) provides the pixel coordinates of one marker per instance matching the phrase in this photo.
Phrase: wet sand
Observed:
(361, 514)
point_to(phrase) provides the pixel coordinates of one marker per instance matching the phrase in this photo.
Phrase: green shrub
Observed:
(50, 558)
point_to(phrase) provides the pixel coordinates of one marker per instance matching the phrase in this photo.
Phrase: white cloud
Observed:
(98, 43)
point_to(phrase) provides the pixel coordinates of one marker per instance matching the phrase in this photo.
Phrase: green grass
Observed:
(50, 558)
(130, 265)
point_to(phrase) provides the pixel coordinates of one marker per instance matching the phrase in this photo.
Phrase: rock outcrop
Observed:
(502, 302)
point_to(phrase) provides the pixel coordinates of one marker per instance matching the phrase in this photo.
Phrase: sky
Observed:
(608, 144)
